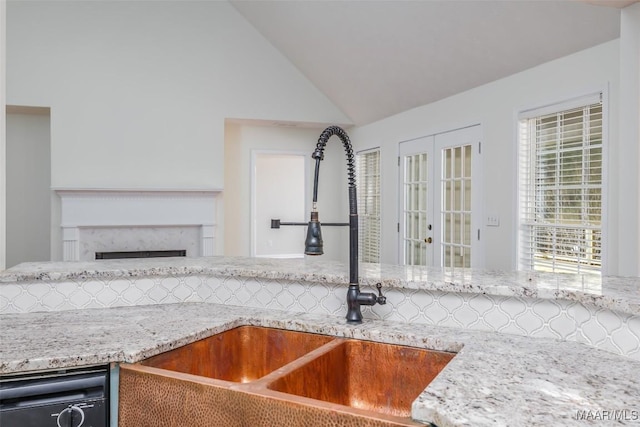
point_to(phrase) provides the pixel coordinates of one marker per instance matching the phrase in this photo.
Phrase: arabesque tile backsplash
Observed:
(561, 319)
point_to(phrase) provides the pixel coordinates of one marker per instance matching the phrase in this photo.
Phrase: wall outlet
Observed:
(493, 220)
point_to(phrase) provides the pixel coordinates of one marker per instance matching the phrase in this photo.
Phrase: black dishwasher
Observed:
(67, 398)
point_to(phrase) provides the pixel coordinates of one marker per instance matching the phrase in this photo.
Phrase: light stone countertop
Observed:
(494, 380)
(613, 293)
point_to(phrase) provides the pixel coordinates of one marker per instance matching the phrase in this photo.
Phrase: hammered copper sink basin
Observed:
(367, 375)
(271, 377)
(241, 355)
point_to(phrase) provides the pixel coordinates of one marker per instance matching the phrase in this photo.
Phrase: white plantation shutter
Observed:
(368, 182)
(561, 187)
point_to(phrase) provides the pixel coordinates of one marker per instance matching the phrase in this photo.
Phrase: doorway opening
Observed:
(28, 185)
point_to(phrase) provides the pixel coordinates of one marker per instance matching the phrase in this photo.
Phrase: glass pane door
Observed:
(440, 207)
(416, 209)
(459, 193)
(456, 206)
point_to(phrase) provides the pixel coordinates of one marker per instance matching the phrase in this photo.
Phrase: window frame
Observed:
(585, 99)
(362, 215)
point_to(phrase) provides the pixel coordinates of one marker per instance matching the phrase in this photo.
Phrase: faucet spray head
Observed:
(313, 243)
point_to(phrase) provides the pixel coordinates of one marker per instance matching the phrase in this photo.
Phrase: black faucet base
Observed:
(354, 315)
(355, 299)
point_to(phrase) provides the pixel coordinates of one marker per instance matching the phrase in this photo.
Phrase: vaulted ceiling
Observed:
(374, 59)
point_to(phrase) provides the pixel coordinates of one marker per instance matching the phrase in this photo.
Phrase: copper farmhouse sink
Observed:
(241, 355)
(378, 377)
(269, 377)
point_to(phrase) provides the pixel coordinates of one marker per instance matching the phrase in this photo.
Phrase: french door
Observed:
(416, 215)
(440, 205)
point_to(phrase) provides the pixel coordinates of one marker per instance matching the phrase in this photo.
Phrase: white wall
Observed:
(28, 188)
(628, 209)
(243, 139)
(139, 90)
(495, 107)
(3, 103)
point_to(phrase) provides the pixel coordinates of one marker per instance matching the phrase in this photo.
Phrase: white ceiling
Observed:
(374, 59)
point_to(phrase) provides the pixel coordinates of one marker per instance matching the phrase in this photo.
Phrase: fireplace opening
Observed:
(140, 254)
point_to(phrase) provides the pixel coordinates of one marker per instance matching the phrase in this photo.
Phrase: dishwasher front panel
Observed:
(76, 398)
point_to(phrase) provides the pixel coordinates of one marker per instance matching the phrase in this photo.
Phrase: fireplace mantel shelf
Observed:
(79, 190)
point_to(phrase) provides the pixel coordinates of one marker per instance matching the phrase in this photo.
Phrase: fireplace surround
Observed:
(103, 220)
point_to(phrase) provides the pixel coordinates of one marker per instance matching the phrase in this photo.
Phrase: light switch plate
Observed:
(493, 220)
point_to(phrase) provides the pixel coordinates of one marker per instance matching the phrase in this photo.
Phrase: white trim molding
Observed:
(132, 208)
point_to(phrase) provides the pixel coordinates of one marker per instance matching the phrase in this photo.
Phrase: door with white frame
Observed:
(278, 189)
(440, 200)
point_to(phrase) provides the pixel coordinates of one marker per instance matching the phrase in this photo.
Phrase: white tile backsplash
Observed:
(559, 319)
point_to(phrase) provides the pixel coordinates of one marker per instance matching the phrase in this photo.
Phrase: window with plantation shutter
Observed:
(560, 170)
(368, 175)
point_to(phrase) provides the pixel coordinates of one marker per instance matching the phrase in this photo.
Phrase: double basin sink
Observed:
(318, 371)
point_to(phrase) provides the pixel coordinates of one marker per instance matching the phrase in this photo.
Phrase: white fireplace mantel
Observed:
(130, 208)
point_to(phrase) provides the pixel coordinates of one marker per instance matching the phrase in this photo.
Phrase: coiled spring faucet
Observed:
(313, 243)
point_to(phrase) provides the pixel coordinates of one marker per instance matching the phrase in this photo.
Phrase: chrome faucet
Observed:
(313, 243)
